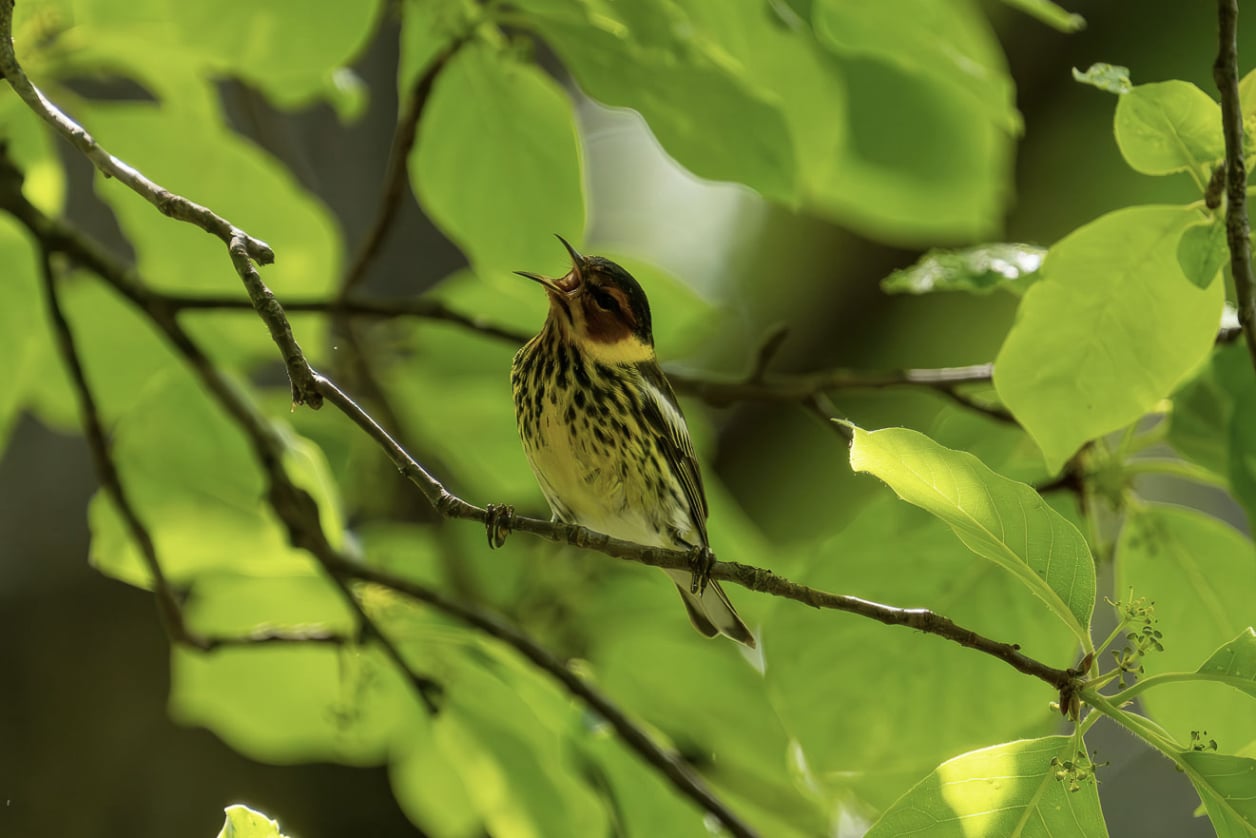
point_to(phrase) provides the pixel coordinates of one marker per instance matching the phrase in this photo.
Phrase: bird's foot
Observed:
(701, 562)
(498, 519)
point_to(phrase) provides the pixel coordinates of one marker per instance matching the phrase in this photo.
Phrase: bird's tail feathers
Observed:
(712, 613)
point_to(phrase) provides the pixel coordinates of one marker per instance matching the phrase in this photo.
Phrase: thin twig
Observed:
(1225, 72)
(422, 307)
(102, 458)
(797, 387)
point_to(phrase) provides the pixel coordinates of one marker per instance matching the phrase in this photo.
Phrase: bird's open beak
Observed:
(566, 284)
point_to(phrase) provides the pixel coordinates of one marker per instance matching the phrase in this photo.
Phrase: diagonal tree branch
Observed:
(1225, 72)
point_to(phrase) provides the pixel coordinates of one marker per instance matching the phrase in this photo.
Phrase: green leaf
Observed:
(1168, 127)
(935, 699)
(1050, 14)
(287, 702)
(1200, 424)
(1242, 440)
(425, 29)
(942, 67)
(648, 56)
(278, 47)
(1202, 251)
(189, 471)
(1235, 662)
(504, 746)
(948, 40)
(497, 165)
(1112, 78)
(1009, 789)
(121, 352)
(979, 270)
(434, 798)
(1201, 576)
(1108, 331)
(211, 165)
(29, 145)
(998, 519)
(243, 822)
(1225, 786)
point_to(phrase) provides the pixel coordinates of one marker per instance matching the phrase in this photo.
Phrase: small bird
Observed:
(603, 431)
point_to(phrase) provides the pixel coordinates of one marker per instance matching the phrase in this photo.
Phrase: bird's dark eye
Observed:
(604, 299)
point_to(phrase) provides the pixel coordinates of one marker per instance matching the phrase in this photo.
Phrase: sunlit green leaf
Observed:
(1111, 78)
(1235, 662)
(496, 164)
(432, 796)
(645, 56)
(980, 270)
(243, 822)
(1009, 789)
(1201, 576)
(1168, 127)
(997, 518)
(1225, 785)
(193, 478)
(934, 698)
(121, 353)
(1202, 251)
(514, 768)
(28, 143)
(1000, 445)
(1109, 330)
(215, 167)
(644, 802)
(287, 702)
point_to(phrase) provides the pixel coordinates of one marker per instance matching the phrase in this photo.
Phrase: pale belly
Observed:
(585, 485)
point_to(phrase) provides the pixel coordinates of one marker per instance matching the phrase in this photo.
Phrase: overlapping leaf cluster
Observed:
(839, 718)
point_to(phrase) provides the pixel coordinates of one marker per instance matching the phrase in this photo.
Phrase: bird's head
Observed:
(600, 308)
